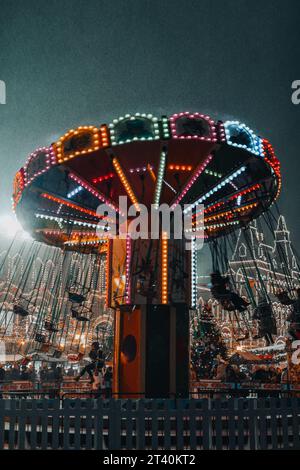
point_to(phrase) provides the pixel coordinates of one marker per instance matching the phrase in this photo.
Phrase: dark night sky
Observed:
(73, 62)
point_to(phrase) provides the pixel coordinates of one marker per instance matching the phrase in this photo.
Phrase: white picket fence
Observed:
(236, 423)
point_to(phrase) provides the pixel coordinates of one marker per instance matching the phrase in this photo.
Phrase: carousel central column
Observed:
(151, 299)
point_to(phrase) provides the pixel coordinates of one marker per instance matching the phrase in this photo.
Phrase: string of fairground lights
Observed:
(159, 179)
(72, 205)
(221, 215)
(198, 171)
(107, 272)
(95, 192)
(214, 189)
(125, 183)
(217, 205)
(66, 221)
(164, 268)
(127, 269)
(193, 273)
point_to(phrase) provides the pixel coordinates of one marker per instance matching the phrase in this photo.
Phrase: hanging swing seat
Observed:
(40, 338)
(77, 293)
(21, 311)
(284, 298)
(81, 315)
(76, 298)
(21, 307)
(50, 326)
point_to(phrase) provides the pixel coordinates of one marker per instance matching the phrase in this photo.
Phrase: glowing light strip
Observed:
(94, 192)
(66, 221)
(125, 183)
(215, 189)
(213, 173)
(71, 205)
(199, 170)
(165, 127)
(273, 162)
(252, 188)
(180, 167)
(207, 227)
(140, 169)
(230, 212)
(50, 160)
(221, 131)
(218, 216)
(127, 270)
(193, 274)
(169, 186)
(107, 276)
(164, 269)
(209, 208)
(101, 178)
(160, 176)
(152, 174)
(75, 233)
(246, 207)
(104, 135)
(213, 227)
(217, 205)
(74, 192)
(91, 241)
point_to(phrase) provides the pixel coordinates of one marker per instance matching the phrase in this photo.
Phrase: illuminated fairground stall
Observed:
(182, 161)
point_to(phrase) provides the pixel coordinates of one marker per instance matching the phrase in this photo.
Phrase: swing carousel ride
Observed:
(183, 160)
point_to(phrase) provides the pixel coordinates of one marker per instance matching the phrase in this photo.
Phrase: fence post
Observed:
(285, 428)
(55, 423)
(240, 422)
(192, 416)
(114, 436)
(66, 423)
(154, 424)
(89, 404)
(21, 424)
(179, 423)
(206, 424)
(99, 443)
(11, 413)
(140, 424)
(231, 423)
(128, 422)
(77, 418)
(253, 429)
(295, 423)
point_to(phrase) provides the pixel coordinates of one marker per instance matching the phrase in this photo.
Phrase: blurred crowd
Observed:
(46, 373)
(17, 372)
(225, 371)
